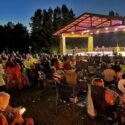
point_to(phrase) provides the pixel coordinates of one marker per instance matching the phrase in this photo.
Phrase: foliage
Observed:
(14, 37)
(54, 50)
(45, 22)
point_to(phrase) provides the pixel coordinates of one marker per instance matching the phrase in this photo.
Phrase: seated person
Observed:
(109, 76)
(121, 91)
(121, 85)
(9, 115)
(103, 99)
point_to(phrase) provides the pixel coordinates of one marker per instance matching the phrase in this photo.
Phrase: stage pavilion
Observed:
(88, 24)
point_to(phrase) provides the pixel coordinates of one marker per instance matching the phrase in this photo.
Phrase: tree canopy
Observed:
(14, 37)
(45, 22)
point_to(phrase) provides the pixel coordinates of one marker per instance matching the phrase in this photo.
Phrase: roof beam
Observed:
(102, 22)
(90, 21)
(77, 23)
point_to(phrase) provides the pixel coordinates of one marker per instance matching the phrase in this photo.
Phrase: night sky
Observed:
(21, 10)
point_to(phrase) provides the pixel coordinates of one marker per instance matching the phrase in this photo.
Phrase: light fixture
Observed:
(106, 28)
(82, 32)
(97, 31)
(116, 29)
(86, 31)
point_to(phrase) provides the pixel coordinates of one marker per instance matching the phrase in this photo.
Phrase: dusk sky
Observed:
(21, 10)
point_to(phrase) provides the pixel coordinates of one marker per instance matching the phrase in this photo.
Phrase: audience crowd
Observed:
(102, 78)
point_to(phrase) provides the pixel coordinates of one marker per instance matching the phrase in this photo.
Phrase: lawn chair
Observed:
(104, 102)
(71, 79)
(64, 94)
(65, 91)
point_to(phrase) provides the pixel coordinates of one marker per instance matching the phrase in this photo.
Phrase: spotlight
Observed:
(97, 31)
(106, 28)
(82, 32)
(116, 29)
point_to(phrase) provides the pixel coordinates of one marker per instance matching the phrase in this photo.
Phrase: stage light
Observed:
(106, 28)
(116, 29)
(82, 32)
(86, 31)
(97, 31)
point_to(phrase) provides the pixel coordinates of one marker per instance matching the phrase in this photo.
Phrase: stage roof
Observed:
(90, 23)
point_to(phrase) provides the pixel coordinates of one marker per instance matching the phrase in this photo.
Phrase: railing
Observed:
(71, 51)
(107, 49)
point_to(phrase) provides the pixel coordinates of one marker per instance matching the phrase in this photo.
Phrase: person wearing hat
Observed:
(109, 76)
(8, 116)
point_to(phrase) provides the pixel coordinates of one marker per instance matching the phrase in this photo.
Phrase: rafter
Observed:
(90, 21)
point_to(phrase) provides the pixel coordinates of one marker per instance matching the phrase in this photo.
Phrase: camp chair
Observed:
(66, 89)
(71, 77)
(64, 93)
(101, 111)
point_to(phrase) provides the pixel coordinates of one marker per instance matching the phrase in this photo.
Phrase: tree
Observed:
(21, 35)
(111, 13)
(14, 37)
(65, 11)
(8, 35)
(58, 21)
(71, 15)
(36, 24)
(36, 28)
(116, 14)
(45, 22)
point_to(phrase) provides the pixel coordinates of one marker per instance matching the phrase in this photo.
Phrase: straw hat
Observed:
(4, 100)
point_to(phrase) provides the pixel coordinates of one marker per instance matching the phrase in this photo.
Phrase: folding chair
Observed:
(66, 90)
(71, 79)
(96, 101)
(63, 95)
